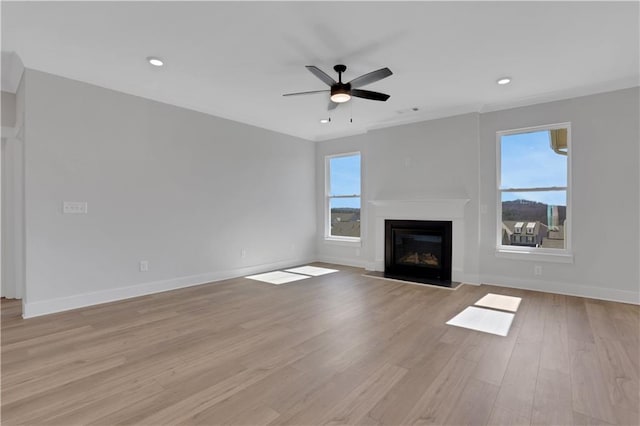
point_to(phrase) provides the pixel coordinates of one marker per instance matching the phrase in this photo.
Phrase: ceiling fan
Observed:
(342, 92)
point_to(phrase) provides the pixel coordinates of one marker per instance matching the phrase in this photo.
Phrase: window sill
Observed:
(344, 241)
(537, 256)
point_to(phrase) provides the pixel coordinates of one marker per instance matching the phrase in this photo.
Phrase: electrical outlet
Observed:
(537, 270)
(74, 207)
(243, 253)
(144, 265)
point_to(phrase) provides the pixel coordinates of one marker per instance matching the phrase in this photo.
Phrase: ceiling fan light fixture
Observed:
(504, 80)
(340, 96)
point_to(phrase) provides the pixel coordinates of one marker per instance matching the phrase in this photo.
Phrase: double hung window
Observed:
(533, 189)
(342, 197)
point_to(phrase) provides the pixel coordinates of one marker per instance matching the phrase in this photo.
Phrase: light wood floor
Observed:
(339, 349)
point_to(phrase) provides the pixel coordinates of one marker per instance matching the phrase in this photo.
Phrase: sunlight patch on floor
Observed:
(291, 275)
(278, 277)
(314, 271)
(485, 320)
(500, 302)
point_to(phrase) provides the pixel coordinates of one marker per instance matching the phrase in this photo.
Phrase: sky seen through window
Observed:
(345, 180)
(528, 161)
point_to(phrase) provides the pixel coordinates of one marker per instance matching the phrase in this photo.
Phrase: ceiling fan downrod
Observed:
(340, 69)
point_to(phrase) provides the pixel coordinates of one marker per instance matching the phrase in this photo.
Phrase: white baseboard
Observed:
(60, 304)
(473, 279)
(371, 266)
(44, 307)
(568, 289)
(378, 265)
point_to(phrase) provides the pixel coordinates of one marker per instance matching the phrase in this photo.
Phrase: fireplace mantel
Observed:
(419, 208)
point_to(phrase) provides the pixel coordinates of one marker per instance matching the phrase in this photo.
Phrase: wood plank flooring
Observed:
(336, 349)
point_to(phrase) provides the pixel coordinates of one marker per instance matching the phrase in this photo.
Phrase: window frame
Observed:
(564, 255)
(328, 197)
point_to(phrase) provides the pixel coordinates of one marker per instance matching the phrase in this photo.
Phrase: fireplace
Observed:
(418, 250)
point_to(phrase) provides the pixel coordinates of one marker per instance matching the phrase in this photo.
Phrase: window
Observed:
(533, 189)
(343, 197)
(530, 227)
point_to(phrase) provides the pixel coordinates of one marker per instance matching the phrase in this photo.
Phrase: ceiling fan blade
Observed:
(332, 105)
(321, 75)
(306, 93)
(371, 77)
(368, 94)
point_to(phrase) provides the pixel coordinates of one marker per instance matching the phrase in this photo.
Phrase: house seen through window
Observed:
(343, 196)
(533, 188)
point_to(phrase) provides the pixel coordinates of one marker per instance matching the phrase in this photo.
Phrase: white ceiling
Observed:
(236, 59)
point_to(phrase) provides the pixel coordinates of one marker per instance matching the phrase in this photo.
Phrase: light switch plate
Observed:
(74, 207)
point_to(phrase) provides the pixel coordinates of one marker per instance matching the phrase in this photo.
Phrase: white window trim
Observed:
(534, 253)
(348, 241)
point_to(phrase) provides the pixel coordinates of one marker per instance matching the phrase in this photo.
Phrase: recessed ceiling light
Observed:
(504, 80)
(156, 62)
(325, 120)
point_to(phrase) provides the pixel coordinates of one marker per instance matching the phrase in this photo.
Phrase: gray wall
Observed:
(8, 107)
(183, 190)
(456, 157)
(604, 150)
(431, 159)
(9, 145)
(12, 275)
(188, 192)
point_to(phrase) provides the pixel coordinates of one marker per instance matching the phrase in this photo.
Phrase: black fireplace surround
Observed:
(418, 250)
